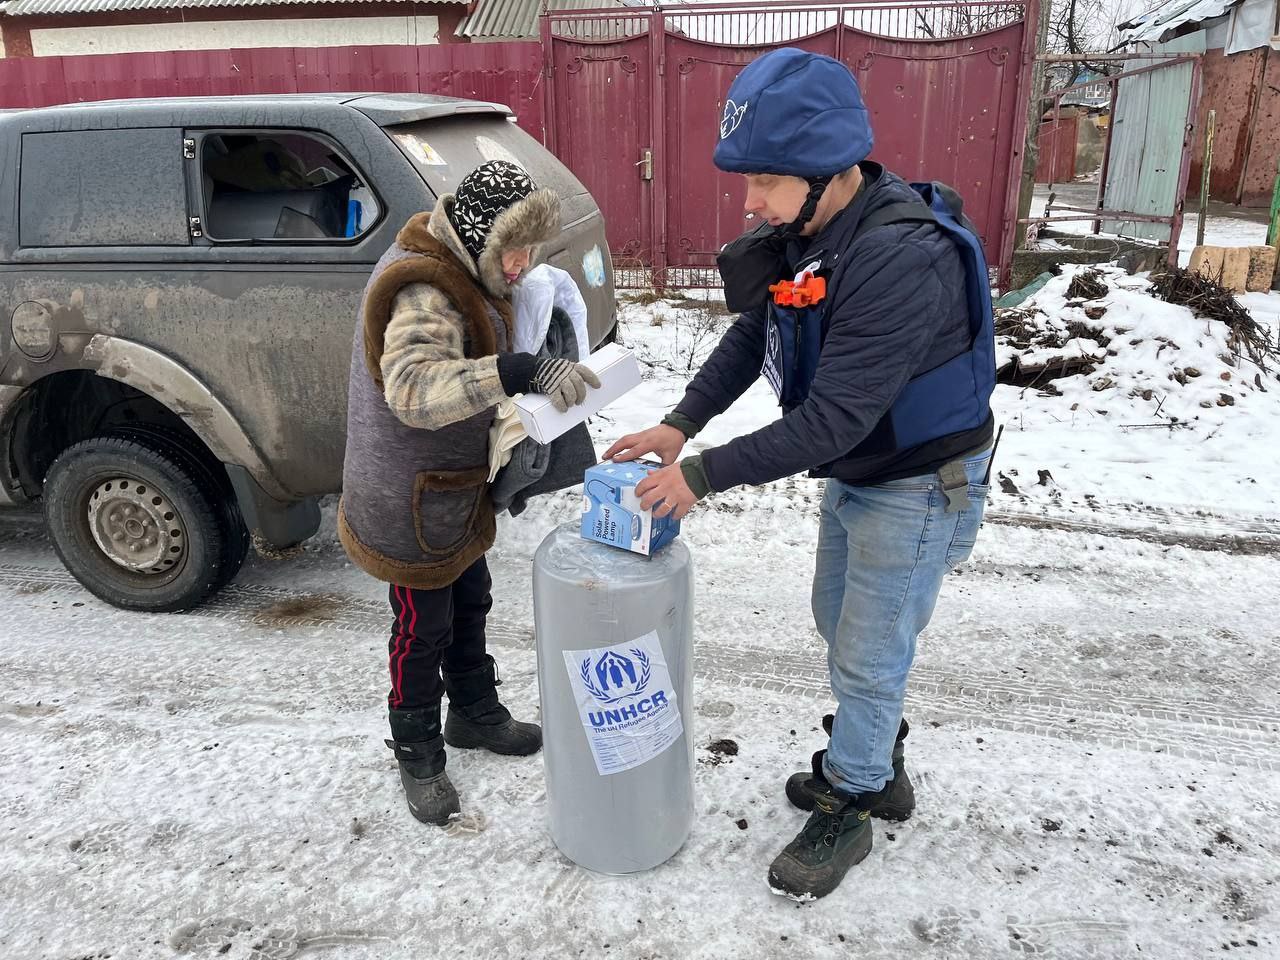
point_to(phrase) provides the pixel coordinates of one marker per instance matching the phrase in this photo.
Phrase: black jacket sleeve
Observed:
(883, 319)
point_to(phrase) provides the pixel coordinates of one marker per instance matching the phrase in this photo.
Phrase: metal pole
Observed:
(1106, 153)
(1204, 176)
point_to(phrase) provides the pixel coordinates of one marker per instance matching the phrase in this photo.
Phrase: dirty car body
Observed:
(181, 279)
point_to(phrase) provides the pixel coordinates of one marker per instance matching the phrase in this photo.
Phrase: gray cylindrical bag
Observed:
(615, 674)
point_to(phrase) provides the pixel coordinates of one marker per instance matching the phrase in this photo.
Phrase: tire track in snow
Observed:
(1087, 712)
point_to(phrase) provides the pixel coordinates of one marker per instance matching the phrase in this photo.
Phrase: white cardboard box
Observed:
(618, 372)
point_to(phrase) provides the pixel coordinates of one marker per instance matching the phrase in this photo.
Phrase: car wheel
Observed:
(137, 524)
(236, 540)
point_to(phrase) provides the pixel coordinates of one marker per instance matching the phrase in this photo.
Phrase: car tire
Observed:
(236, 538)
(139, 524)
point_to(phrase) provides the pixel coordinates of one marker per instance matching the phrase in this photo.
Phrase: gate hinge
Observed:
(197, 228)
(189, 149)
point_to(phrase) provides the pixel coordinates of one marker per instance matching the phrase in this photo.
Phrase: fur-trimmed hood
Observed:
(530, 222)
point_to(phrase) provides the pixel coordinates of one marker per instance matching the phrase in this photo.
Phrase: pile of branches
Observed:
(1087, 285)
(1020, 329)
(1213, 301)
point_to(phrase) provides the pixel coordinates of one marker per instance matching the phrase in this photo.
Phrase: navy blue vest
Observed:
(948, 399)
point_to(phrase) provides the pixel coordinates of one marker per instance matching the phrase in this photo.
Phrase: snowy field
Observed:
(1094, 730)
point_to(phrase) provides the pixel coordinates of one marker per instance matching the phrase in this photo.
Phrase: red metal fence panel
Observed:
(1056, 141)
(503, 72)
(635, 98)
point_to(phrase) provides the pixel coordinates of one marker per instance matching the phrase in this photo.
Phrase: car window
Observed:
(281, 186)
(103, 188)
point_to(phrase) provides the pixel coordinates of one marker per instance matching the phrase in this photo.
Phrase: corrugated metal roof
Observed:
(518, 19)
(29, 8)
(1160, 23)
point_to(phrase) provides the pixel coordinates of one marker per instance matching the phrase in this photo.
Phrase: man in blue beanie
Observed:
(855, 308)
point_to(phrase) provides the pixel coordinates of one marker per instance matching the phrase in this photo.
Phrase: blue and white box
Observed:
(611, 510)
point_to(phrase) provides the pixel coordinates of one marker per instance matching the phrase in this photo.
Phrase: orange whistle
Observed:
(804, 292)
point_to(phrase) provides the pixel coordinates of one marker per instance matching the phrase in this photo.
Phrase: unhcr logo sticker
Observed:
(626, 701)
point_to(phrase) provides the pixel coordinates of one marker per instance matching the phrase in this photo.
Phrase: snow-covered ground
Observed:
(1094, 730)
(1170, 424)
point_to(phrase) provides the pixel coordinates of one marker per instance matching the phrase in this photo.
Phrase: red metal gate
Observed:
(634, 98)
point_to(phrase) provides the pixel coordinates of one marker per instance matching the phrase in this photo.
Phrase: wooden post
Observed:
(1204, 176)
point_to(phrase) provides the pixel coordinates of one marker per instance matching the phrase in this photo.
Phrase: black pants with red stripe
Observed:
(437, 629)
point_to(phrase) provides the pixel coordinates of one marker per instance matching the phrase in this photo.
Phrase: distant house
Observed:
(48, 28)
(1241, 44)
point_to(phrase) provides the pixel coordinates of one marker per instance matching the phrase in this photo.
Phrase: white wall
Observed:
(225, 34)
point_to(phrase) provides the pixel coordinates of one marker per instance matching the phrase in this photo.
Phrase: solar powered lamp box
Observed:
(618, 372)
(611, 510)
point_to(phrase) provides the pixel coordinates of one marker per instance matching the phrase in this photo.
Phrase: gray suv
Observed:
(182, 279)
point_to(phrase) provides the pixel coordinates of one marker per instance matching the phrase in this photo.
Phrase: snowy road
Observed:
(1094, 742)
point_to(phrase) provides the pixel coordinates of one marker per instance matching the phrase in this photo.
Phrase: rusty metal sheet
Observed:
(1230, 86)
(1264, 150)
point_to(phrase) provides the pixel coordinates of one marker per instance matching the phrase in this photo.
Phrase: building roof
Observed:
(1163, 21)
(29, 8)
(518, 19)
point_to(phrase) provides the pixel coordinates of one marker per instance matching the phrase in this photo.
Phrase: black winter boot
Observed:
(896, 801)
(477, 719)
(836, 836)
(419, 749)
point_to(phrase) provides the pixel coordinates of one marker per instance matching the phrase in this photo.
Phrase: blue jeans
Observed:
(883, 552)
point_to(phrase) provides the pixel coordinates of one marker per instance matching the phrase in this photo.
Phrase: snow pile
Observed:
(1171, 363)
(1123, 396)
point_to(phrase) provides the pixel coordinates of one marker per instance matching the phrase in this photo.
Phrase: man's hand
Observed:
(666, 441)
(666, 491)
